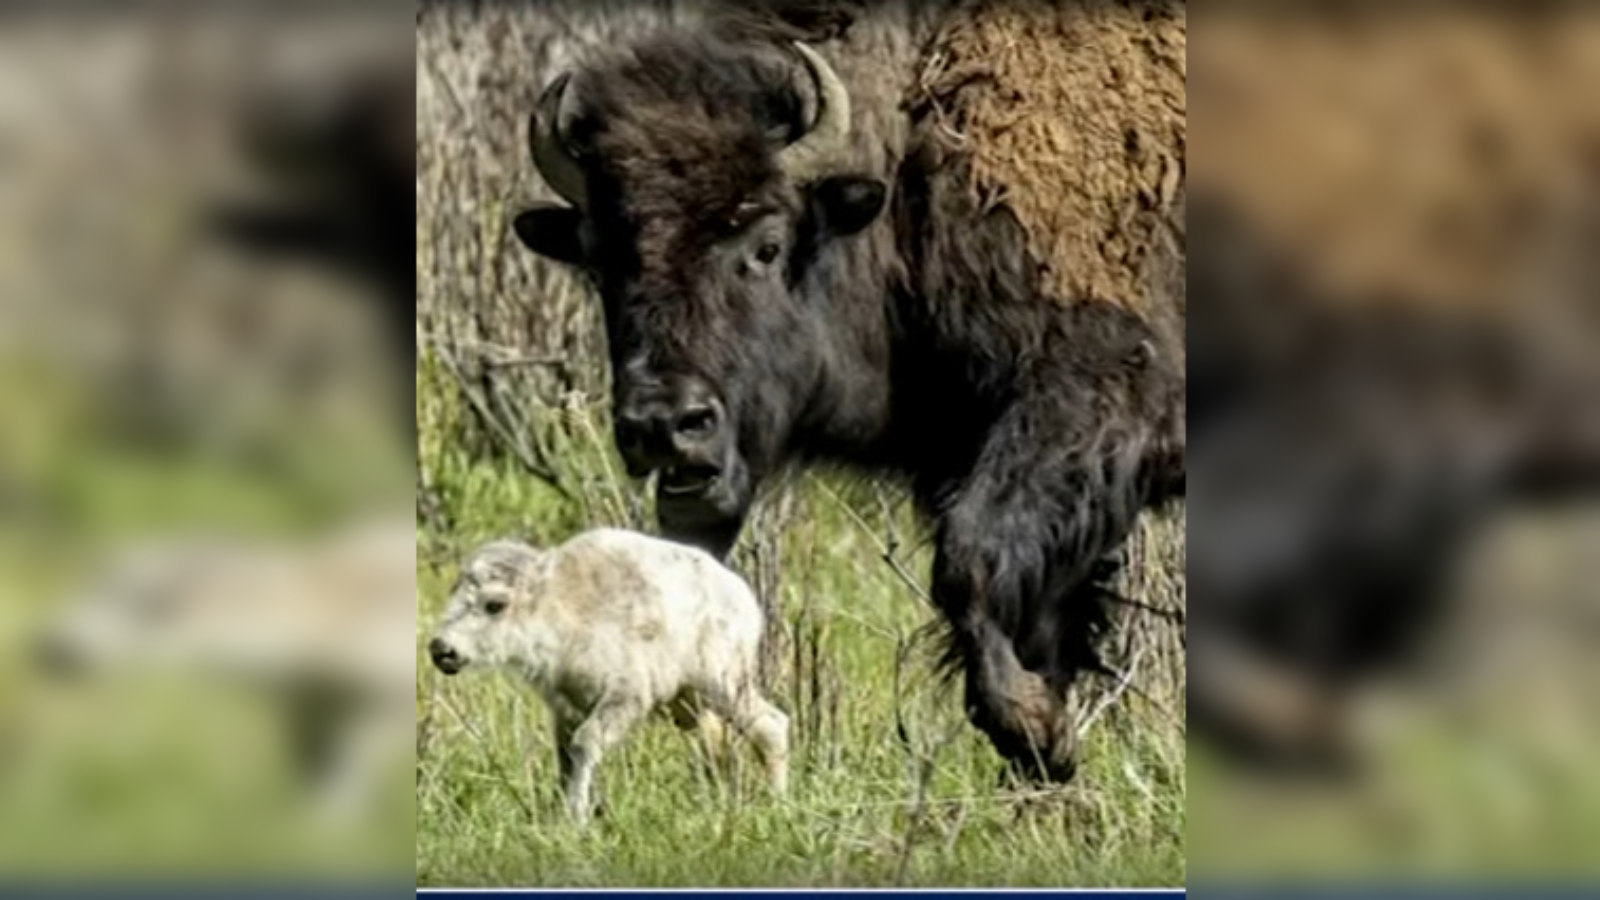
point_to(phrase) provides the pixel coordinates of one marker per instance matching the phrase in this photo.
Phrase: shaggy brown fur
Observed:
(1074, 115)
(1378, 190)
(1413, 155)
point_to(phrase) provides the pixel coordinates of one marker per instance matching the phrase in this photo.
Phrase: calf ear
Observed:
(845, 204)
(551, 231)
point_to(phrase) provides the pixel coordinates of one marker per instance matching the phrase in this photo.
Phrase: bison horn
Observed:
(827, 136)
(554, 161)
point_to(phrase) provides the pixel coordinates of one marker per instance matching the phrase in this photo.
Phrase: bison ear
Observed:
(551, 231)
(845, 204)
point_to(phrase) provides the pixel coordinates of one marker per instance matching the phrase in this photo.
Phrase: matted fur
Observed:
(1074, 115)
(1379, 190)
(1422, 155)
(608, 627)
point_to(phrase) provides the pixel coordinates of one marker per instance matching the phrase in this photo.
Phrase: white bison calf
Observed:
(609, 627)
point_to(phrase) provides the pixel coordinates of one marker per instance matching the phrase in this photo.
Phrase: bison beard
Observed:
(921, 341)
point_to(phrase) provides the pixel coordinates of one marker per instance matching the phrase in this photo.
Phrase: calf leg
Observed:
(566, 725)
(713, 737)
(341, 740)
(689, 712)
(606, 725)
(765, 726)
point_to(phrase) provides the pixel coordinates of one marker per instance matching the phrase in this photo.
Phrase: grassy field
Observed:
(868, 806)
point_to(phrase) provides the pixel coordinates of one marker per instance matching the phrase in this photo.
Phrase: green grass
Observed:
(866, 807)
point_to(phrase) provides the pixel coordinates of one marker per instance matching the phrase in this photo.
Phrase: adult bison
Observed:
(809, 249)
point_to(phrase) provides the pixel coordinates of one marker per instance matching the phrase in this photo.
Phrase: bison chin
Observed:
(705, 510)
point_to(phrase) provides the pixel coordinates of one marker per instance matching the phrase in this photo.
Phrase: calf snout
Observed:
(445, 658)
(679, 423)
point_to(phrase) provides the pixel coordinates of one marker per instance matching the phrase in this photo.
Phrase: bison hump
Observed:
(1074, 115)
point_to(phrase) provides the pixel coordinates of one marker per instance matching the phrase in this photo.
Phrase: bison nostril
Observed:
(631, 432)
(696, 421)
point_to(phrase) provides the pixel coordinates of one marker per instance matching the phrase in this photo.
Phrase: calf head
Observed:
(488, 599)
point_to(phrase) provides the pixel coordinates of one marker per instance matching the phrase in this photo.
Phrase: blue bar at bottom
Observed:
(192, 891)
(839, 894)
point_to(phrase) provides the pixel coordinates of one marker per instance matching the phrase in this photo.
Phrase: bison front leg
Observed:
(710, 738)
(1021, 577)
(1023, 715)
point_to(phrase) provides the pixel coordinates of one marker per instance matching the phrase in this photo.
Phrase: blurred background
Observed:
(1394, 409)
(206, 456)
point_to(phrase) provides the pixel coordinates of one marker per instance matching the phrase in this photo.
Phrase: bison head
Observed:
(701, 204)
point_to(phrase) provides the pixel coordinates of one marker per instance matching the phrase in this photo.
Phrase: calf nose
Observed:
(444, 657)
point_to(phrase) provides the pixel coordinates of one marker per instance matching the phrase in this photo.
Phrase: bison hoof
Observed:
(1035, 771)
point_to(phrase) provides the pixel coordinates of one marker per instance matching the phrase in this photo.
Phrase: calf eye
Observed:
(494, 607)
(768, 252)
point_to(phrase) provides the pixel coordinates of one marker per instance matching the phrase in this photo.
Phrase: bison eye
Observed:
(494, 607)
(768, 253)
